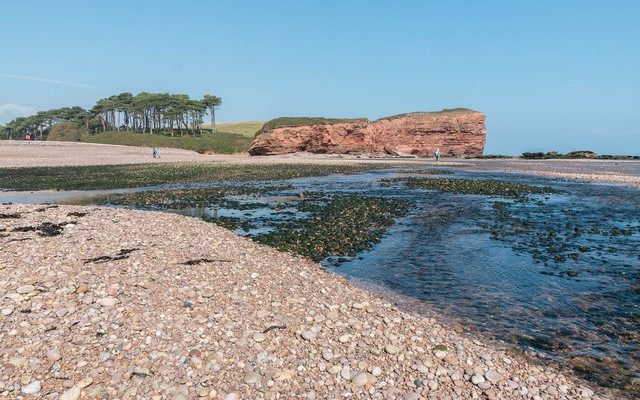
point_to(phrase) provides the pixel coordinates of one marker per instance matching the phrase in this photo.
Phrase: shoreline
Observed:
(146, 323)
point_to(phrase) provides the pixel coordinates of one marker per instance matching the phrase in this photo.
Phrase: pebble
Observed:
(343, 338)
(26, 289)
(376, 371)
(476, 379)
(493, 376)
(360, 379)
(259, 337)
(309, 335)
(391, 349)
(32, 388)
(107, 302)
(54, 355)
(411, 396)
(251, 378)
(84, 382)
(7, 311)
(71, 394)
(232, 396)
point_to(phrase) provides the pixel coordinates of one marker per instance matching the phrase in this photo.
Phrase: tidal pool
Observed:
(556, 273)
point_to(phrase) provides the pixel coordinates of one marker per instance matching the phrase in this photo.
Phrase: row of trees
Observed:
(144, 112)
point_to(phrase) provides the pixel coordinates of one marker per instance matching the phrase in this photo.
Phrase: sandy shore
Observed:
(31, 154)
(248, 322)
(116, 305)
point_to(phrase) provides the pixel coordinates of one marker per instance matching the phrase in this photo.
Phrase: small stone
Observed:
(327, 355)
(585, 392)
(84, 382)
(391, 349)
(360, 379)
(259, 337)
(493, 376)
(7, 311)
(411, 396)
(33, 387)
(485, 356)
(343, 338)
(107, 302)
(251, 378)
(232, 396)
(71, 394)
(82, 288)
(254, 275)
(484, 385)
(358, 306)
(476, 379)
(53, 355)
(308, 335)
(440, 354)
(207, 293)
(26, 289)
(283, 375)
(376, 371)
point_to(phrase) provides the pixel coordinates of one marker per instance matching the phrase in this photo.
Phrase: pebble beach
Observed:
(113, 303)
(121, 304)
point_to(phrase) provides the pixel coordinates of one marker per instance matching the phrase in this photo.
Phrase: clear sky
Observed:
(549, 75)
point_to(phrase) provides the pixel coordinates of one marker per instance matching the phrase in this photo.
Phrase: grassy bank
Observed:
(247, 129)
(221, 142)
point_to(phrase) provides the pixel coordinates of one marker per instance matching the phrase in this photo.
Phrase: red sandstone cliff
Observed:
(455, 132)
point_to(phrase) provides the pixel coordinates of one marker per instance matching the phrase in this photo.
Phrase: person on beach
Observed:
(437, 154)
(155, 152)
(158, 152)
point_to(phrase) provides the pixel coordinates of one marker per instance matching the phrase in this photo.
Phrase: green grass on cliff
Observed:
(444, 111)
(302, 121)
(247, 129)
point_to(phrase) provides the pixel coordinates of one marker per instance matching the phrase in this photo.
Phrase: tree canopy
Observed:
(144, 112)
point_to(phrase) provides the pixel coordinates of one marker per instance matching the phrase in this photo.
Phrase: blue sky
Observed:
(549, 75)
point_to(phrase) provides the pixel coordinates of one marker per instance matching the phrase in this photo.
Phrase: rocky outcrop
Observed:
(455, 132)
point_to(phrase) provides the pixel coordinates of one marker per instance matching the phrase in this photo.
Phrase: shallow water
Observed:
(557, 275)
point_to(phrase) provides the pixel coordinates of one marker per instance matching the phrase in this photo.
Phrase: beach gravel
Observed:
(110, 323)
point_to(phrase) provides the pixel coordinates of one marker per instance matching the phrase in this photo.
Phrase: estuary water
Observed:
(556, 275)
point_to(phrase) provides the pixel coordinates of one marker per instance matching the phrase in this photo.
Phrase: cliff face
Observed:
(455, 132)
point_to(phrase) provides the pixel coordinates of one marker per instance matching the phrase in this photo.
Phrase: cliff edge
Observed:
(455, 132)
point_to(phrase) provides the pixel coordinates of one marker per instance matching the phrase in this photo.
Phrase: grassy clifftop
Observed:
(302, 121)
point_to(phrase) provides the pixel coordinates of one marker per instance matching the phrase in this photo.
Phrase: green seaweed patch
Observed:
(102, 177)
(477, 186)
(345, 226)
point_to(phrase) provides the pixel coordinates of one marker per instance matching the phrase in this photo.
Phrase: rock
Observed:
(7, 311)
(53, 355)
(251, 378)
(32, 388)
(391, 349)
(71, 394)
(476, 379)
(82, 288)
(84, 382)
(411, 396)
(360, 379)
(254, 275)
(232, 396)
(309, 335)
(376, 371)
(107, 302)
(493, 376)
(455, 132)
(26, 289)
(358, 306)
(484, 385)
(343, 338)
(283, 375)
(586, 393)
(259, 337)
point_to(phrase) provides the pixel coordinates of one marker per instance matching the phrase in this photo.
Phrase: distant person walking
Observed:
(155, 152)
(158, 153)
(437, 154)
